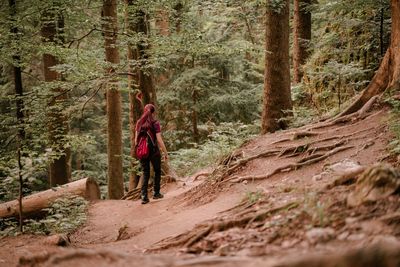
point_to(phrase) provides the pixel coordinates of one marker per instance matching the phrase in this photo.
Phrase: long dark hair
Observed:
(146, 120)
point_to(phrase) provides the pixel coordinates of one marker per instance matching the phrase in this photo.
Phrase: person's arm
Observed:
(162, 145)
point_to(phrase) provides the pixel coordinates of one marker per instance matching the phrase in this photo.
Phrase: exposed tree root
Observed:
(300, 149)
(134, 194)
(302, 134)
(301, 163)
(243, 206)
(202, 231)
(245, 160)
(122, 233)
(199, 236)
(201, 174)
(305, 148)
(296, 136)
(358, 115)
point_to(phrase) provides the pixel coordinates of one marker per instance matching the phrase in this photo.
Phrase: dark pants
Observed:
(145, 163)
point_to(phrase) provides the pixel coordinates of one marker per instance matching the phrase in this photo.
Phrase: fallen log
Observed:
(33, 204)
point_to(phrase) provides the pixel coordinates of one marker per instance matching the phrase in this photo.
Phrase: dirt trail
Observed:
(145, 224)
(194, 216)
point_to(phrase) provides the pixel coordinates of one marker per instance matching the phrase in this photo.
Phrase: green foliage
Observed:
(394, 125)
(63, 216)
(276, 5)
(212, 59)
(345, 50)
(222, 140)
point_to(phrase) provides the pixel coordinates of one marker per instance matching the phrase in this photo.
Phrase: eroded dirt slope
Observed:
(277, 197)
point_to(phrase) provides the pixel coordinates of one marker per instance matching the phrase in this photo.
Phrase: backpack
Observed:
(144, 145)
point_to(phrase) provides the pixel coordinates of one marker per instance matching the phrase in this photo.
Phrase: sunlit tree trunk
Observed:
(277, 98)
(52, 27)
(301, 37)
(114, 110)
(388, 74)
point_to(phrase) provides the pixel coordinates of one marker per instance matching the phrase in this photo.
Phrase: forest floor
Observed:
(275, 201)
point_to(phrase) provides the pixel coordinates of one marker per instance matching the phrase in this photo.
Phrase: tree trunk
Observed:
(301, 37)
(59, 172)
(277, 98)
(146, 84)
(135, 106)
(178, 9)
(33, 204)
(19, 105)
(196, 136)
(162, 23)
(142, 80)
(114, 109)
(388, 74)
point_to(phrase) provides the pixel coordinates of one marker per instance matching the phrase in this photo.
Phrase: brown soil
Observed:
(247, 213)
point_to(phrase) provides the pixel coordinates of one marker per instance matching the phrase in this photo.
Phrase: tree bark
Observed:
(146, 84)
(33, 204)
(19, 105)
(135, 106)
(388, 74)
(142, 81)
(114, 109)
(194, 115)
(277, 98)
(301, 37)
(59, 172)
(178, 9)
(162, 23)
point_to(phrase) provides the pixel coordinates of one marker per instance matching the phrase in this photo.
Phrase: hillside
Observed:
(275, 199)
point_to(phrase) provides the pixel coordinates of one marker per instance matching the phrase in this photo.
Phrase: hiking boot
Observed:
(158, 195)
(145, 200)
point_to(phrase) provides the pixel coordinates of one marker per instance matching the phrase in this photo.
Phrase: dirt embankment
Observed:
(280, 197)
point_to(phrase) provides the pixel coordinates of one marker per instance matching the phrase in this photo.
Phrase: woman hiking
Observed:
(150, 128)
